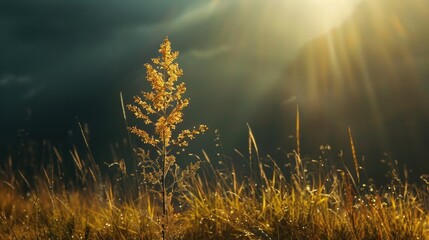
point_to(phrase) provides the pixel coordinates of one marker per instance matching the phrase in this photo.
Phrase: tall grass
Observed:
(289, 198)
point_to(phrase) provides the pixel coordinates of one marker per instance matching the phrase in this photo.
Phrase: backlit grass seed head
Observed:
(163, 106)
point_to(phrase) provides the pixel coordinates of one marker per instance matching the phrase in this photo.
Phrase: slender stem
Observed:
(164, 170)
(164, 209)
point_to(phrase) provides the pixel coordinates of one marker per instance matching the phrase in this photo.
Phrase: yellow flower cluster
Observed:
(163, 106)
(188, 134)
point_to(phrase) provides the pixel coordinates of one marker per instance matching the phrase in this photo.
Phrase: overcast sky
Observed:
(345, 62)
(62, 59)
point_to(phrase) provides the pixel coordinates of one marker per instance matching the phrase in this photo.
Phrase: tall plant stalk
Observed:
(162, 108)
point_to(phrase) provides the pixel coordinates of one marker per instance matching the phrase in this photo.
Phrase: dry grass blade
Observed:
(352, 145)
(298, 148)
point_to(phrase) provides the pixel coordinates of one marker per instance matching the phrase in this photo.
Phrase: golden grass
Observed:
(307, 199)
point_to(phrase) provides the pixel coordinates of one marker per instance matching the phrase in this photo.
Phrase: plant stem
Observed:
(164, 158)
(164, 210)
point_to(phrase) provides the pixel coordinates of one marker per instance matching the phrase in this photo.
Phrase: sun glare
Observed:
(330, 13)
(366, 65)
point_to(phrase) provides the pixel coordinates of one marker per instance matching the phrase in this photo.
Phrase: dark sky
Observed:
(65, 59)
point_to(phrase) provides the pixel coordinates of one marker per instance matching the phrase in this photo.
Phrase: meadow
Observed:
(68, 194)
(300, 199)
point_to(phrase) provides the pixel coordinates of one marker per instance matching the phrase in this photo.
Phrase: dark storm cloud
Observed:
(38, 37)
(66, 45)
(80, 54)
(8, 82)
(69, 21)
(60, 59)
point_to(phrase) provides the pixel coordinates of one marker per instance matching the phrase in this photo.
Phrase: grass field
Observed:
(69, 195)
(290, 198)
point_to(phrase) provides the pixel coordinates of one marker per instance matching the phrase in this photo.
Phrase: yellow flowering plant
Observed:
(162, 108)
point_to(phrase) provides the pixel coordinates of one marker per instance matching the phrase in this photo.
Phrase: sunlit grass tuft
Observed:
(315, 201)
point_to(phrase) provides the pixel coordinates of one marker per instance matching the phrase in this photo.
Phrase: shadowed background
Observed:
(362, 64)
